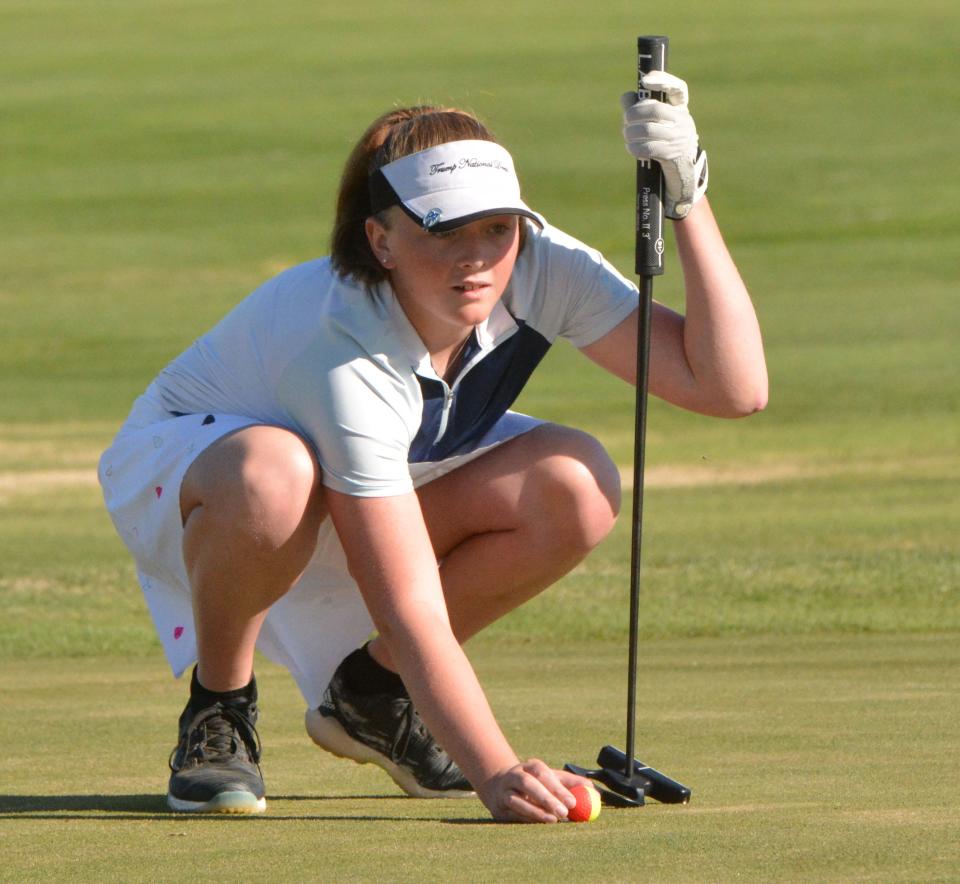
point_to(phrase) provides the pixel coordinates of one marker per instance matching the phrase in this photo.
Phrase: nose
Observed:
(470, 253)
(475, 252)
(471, 261)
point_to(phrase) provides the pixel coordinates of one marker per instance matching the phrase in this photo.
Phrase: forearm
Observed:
(448, 696)
(391, 559)
(711, 360)
(720, 335)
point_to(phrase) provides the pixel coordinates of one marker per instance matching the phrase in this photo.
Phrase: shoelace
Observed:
(402, 741)
(220, 726)
(412, 724)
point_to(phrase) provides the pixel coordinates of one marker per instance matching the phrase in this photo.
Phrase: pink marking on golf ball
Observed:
(177, 631)
(159, 490)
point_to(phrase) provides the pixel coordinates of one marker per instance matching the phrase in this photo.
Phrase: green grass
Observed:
(869, 552)
(801, 581)
(793, 750)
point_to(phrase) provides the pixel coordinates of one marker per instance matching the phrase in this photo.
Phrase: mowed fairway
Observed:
(801, 610)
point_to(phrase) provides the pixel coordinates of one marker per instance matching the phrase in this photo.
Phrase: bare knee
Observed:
(573, 494)
(279, 488)
(262, 481)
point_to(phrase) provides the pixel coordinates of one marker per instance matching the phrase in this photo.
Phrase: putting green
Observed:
(814, 758)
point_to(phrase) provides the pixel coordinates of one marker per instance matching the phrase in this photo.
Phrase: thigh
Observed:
(259, 462)
(502, 489)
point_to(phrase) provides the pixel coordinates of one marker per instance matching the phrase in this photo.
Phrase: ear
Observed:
(379, 238)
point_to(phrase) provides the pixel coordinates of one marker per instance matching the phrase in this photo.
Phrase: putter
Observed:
(625, 781)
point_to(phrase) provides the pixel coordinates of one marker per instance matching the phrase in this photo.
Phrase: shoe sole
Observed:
(225, 802)
(329, 734)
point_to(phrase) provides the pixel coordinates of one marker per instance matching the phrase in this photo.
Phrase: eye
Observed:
(501, 228)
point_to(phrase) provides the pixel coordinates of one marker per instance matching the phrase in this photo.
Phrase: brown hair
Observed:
(397, 133)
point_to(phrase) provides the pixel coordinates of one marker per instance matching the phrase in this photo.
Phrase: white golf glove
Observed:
(664, 131)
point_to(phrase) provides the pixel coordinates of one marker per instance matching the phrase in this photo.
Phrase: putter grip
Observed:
(651, 56)
(656, 785)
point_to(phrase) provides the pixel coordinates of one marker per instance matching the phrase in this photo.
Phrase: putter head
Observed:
(619, 790)
(615, 789)
(655, 785)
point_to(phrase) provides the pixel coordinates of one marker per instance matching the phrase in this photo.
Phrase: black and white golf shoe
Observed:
(385, 729)
(215, 766)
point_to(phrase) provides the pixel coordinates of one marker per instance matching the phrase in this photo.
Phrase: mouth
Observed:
(469, 287)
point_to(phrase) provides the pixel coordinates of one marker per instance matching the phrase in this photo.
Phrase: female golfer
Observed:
(337, 457)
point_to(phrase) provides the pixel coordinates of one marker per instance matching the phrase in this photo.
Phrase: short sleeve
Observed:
(572, 290)
(360, 416)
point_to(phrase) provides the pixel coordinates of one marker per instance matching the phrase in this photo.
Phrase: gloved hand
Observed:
(664, 131)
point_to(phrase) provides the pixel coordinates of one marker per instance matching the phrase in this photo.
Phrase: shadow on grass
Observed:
(15, 805)
(154, 807)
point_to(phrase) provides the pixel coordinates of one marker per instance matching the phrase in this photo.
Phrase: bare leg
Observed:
(512, 522)
(252, 506)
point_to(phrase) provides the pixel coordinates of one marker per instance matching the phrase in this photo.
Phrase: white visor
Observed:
(450, 185)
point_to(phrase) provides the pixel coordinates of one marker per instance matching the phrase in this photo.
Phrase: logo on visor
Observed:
(431, 218)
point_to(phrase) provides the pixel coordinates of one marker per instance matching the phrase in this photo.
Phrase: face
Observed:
(446, 282)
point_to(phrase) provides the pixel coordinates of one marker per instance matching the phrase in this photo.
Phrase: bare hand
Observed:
(530, 792)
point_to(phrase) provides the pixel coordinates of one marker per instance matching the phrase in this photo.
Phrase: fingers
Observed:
(654, 130)
(660, 142)
(570, 779)
(520, 809)
(651, 139)
(658, 131)
(674, 89)
(649, 110)
(536, 791)
(531, 793)
(553, 782)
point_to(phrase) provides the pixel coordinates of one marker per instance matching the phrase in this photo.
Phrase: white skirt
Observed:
(317, 623)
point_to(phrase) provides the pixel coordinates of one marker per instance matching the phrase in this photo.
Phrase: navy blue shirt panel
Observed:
(480, 399)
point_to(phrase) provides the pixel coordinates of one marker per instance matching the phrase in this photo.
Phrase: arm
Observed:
(710, 361)
(390, 556)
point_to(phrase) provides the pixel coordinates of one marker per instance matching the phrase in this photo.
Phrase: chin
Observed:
(474, 314)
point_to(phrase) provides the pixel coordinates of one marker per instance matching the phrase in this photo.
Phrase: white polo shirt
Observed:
(339, 363)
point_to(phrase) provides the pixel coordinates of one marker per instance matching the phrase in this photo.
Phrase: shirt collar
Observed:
(498, 323)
